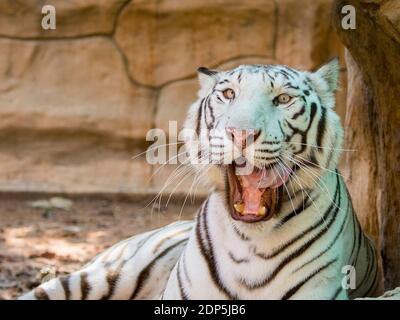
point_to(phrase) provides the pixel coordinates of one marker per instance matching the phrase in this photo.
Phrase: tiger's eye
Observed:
(229, 94)
(284, 98)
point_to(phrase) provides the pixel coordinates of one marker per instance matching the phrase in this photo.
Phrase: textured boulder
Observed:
(71, 85)
(168, 40)
(22, 19)
(70, 119)
(80, 163)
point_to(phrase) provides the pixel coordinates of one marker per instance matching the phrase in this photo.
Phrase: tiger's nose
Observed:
(242, 138)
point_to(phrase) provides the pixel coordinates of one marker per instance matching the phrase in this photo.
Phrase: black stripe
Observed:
(211, 257)
(374, 267)
(200, 227)
(354, 235)
(272, 79)
(299, 192)
(329, 246)
(235, 260)
(297, 287)
(291, 71)
(285, 74)
(302, 207)
(122, 248)
(205, 107)
(372, 287)
(211, 113)
(305, 132)
(207, 71)
(199, 116)
(266, 158)
(360, 239)
(111, 250)
(299, 113)
(185, 270)
(370, 265)
(65, 284)
(112, 278)
(181, 289)
(337, 292)
(85, 286)
(41, 294)
(321, 129)
(290, 86)
(283, 132)
(300, 250)
(171, 236)
(208, 253)
(138, 247)
(312, 114)
(355, 259)
(312, 161)
(270, 142)
(266, 150)
(223, 81)
(241, 235)
(239, 79)
(146, 272)
(308, 230)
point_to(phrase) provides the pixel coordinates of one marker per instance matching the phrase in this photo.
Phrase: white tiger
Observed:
(279, 222)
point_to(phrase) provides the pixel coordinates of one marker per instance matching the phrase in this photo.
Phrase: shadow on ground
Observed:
(31, 239)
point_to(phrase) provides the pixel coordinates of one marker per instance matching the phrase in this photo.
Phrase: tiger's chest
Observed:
(222, 267)
(247, 272)
(302, 258)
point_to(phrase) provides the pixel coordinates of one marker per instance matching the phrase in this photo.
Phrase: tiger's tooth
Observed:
(239, 207)
(262, 211)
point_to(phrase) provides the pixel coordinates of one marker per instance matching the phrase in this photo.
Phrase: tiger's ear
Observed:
(329, 73)
(207, 78)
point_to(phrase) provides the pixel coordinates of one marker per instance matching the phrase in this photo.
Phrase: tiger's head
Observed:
(262, 132)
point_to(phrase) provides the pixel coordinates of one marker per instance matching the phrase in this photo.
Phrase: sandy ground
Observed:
(32, 238)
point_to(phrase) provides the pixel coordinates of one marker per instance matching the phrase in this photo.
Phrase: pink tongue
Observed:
(252, 200)
(254, 185)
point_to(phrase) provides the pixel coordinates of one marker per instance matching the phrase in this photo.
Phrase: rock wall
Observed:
(76, 102)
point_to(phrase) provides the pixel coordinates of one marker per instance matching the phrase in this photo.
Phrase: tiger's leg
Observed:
(137, 268)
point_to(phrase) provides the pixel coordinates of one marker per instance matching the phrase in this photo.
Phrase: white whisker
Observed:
(298, 180)
(284, 184)
(317, 180)
(319, 147)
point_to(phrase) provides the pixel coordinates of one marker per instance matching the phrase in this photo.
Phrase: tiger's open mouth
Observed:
(255, 195)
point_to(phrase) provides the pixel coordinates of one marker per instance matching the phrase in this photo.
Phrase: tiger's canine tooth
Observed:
(262, 211)
(239, 207)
